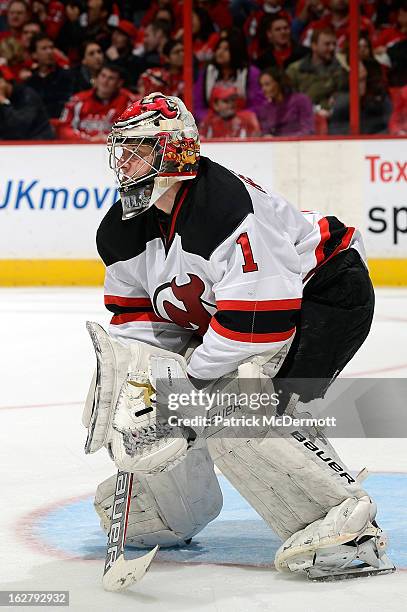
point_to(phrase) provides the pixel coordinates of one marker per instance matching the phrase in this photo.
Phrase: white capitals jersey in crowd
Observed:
(229, 264)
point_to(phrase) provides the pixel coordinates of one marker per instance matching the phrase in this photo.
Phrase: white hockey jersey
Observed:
(230, 266)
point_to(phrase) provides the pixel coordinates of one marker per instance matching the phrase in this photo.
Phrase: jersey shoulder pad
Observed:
(119, 240)
(218, 202)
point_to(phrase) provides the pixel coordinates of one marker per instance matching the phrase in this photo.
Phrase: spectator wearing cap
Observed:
(285, 112)
(224, 119)
(319, 75)
(120, 52)
(279, 48)
(230, 65)
(18, 13)
(92, 59)
(89, 115)
(169, 79)
(22, 113)
(52, 83)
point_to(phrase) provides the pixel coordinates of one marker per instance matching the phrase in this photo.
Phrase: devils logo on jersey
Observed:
(183, 304)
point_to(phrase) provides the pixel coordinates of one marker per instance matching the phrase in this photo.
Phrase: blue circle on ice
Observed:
(238, 536)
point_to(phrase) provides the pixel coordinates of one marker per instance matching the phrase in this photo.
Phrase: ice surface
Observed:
(49, 536)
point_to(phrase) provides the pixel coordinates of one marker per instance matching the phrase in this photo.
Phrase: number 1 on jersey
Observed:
(249, 263)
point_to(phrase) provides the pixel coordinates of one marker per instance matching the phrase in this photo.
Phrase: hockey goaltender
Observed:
(209, 275)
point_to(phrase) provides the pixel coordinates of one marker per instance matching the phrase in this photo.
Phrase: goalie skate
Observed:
(352, 560)
(328, 550)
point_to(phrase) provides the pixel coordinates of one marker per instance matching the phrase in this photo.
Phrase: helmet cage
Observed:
(148, 151)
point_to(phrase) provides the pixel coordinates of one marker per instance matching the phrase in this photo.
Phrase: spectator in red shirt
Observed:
(285, 112)
(280, 49)
(89, 115)
(223, 120)
(18, 13)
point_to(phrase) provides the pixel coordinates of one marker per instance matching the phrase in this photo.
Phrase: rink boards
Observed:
(53, 196)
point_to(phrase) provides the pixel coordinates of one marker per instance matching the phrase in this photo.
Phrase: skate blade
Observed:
(357, 571)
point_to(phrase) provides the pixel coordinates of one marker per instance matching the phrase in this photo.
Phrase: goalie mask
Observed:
(152, 145)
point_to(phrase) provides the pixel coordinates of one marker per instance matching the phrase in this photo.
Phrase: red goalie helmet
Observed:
(152, 145)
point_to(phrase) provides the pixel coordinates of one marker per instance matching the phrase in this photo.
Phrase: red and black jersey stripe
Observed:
(121, 305)
(260, 321)
(335, 237)
(131, 310)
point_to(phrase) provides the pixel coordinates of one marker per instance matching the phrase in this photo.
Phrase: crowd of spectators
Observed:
(68, 68)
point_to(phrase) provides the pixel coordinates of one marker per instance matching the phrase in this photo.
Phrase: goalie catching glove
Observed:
(121, 410)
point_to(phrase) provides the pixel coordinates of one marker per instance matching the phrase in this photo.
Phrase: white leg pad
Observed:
(291, 481)
(169, 507)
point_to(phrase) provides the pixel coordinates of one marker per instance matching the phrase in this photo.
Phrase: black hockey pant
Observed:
(334, 321)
